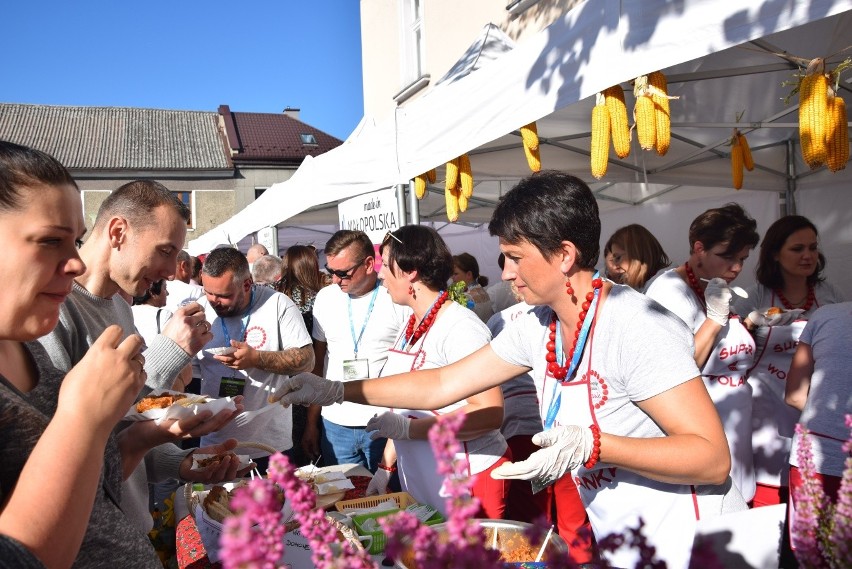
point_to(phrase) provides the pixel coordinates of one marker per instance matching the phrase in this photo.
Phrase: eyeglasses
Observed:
(347, 274)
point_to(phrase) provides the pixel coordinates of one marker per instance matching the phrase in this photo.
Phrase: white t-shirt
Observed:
(830, 395)
(773, 420)
(520, 398)
(501, 296)
(181, 293)
(331, 325)
(638, 350)
(724, 373)
(149, 321)
(273, 324)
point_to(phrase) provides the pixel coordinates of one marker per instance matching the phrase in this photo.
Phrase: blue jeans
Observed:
(350, 445)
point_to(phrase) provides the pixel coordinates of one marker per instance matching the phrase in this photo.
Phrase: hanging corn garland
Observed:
(599, 152)
(658, 88)
(837, 133)
(420, 186)
(736, 162)
(618, 123)
(529, 134)
(465, 179)
(813, 110)
(643, 114)
(451, 190)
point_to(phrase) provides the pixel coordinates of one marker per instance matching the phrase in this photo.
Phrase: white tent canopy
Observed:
(722, 58)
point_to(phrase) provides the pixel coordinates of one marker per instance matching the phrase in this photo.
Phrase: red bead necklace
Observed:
(693, 282)
(556, 370)
(412, 335)
(809, 302)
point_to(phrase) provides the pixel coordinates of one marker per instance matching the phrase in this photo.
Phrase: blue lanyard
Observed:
(357, 341)
(556, 396)
(425, 314)
(244, 321)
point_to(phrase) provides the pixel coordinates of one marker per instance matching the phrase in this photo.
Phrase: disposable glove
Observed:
(388, 425)
(308, 389)
(717, 297)
(379, 483)
(563, 448)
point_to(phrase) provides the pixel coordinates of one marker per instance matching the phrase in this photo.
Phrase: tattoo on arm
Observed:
(287, 362)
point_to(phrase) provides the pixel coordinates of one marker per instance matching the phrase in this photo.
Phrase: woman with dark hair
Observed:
(466, 269)
(634, 256)
(624, 409)
(720, 240)
(416, 266)
(790, 282)
(60, 476)
(302, 279)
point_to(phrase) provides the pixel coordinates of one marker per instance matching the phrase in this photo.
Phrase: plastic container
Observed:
(377, 545)
(402, 499)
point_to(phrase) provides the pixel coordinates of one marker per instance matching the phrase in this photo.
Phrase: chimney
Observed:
(292, 112)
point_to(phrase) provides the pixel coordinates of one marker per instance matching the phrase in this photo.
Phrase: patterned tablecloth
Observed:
(190, 550)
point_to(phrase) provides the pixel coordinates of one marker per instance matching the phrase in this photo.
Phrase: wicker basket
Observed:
(402, 499)
(192, 498)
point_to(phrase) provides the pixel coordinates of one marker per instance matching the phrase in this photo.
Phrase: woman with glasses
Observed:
(624, 410)
(698, 292)
(790, 282)
(415, 269)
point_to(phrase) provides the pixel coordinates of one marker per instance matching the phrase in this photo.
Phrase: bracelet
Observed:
(596, 447)
(387, 468)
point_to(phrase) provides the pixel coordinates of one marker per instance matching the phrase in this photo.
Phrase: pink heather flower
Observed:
(840, 535)
(254, 537)
(811, 501)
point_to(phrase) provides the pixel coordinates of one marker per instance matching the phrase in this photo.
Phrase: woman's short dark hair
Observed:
(768, 269)
(727, 224)
(419, 248)
(547, 208)
(24, 167)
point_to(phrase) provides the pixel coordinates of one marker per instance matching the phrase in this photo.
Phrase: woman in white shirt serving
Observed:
(625, 411)
(720, 240)
(416, 266)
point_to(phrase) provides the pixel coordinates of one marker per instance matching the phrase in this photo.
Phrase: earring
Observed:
(410, 290)
(569, 290)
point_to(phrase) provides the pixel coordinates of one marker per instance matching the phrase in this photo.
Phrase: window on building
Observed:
(413, 66)
(308, 139)
(186, 198)
(258, 192)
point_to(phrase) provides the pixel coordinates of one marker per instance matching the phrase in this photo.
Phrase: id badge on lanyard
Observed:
(359, 368)
(356, 369)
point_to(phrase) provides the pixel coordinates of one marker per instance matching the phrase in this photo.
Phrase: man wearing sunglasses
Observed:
(355, 323)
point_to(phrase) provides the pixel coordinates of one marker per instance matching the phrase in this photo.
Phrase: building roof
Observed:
(272, 137)
(118, 138)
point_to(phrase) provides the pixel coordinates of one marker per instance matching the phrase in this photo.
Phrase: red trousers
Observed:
(492, 494)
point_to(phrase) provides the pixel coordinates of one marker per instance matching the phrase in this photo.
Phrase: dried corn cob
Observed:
(813, 100)
(463, 201)
(736, 162)
(431, 176)
(533, 159)
(529, 134)
(420, 186)
(837, 135)
(465, 178)
(662, 117)
(748, 161)
(451, 196)
(619, 126)
(599, 151)
(452, 178)
(643, 114)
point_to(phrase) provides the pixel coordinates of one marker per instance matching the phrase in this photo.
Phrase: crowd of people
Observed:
(571, 414)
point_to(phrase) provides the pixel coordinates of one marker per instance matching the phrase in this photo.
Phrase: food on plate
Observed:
(217, 503)
(774, 311)
(514, 547)
(158, 401)
(214, 459)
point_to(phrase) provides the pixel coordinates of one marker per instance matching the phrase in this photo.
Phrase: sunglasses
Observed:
(392, 236)
(347, 274)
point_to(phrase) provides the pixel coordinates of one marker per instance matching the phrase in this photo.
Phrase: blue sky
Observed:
(256, 56)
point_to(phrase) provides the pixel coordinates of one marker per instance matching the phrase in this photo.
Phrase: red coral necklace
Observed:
(412, 335)
(809, 300)
(556, 370)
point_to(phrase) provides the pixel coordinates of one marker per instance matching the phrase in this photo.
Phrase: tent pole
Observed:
(400, 203)
(413, 204)
(788, 202)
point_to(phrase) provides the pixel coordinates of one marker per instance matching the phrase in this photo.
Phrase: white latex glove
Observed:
(308, 389)
(563, 449)
(717, 296)
(379, 483)
(388, 425)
